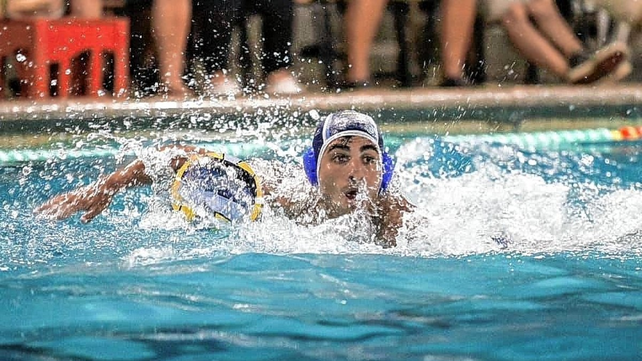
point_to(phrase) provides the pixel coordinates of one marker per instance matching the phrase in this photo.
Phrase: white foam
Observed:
(526, 201)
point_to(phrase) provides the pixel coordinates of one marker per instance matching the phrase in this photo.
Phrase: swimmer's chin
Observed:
(357, 204)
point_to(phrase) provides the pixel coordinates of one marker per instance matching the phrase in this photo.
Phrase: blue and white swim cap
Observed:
(345, 123)
(221, 186)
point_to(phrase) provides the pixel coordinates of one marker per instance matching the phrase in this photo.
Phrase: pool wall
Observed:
(509, 106)
(531, 117)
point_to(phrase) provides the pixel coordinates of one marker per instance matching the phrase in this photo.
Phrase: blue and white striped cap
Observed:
(345, 124)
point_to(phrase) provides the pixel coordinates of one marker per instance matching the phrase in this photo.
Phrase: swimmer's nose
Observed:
(356, 171)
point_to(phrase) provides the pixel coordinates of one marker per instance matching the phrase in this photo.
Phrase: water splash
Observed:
(531, 202)
(469, 200)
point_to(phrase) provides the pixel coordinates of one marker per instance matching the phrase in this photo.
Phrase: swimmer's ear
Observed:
(310, 166)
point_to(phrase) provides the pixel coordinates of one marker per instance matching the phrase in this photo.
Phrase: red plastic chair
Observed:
(36, 44)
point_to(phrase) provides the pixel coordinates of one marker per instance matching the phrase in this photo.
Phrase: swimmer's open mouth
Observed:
(351, 194)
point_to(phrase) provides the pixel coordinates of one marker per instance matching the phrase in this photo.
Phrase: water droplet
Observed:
(314, 114)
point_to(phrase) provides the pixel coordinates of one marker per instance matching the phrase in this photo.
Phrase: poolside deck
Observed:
(462, 110)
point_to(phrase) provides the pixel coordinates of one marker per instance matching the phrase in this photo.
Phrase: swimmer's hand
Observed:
(92, 199)
(96, 197)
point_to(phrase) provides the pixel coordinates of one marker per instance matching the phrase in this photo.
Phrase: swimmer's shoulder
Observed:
(394, 200)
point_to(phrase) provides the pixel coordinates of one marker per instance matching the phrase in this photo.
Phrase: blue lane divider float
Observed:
(533, 141)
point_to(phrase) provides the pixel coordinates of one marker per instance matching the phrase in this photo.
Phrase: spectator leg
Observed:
(458, 19)
(554, 27)
(428, 52)
(362, 19)
(87, 9)
(216, 21)
(278, 16)
(530, 43)
(171, 25)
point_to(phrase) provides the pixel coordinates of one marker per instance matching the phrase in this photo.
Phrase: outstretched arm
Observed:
(96, 197)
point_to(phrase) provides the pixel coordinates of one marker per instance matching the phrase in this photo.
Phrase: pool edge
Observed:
(491, 105)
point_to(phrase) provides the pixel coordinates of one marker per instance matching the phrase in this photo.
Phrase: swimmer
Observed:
(347, 166)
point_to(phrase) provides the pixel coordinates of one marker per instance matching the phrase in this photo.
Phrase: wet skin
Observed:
(350, 175)
(349, 178)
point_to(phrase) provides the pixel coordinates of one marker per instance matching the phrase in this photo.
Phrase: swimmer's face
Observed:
(349, 173)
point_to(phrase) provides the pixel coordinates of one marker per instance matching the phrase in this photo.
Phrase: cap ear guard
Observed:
(388, 170)
(310, 167)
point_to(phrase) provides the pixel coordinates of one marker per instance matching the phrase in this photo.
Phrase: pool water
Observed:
(511, 255)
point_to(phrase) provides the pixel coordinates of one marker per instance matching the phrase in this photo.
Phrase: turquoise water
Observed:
(564, 281)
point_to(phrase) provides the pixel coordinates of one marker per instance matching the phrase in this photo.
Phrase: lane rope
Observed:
(532, 141)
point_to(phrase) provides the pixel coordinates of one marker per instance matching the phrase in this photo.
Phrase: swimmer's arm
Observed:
(177, 162)
(391, 211)
(283, 202)
(94, 198)
(294, 206)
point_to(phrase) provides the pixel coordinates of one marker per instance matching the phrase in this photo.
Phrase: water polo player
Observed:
(346, 163)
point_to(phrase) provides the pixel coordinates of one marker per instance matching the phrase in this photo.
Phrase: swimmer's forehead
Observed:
(350, 141)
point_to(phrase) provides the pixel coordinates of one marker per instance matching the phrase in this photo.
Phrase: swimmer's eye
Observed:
(340, 158)
(368, 159)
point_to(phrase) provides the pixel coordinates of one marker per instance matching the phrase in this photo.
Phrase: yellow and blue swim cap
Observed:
(217, 185)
